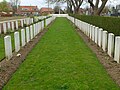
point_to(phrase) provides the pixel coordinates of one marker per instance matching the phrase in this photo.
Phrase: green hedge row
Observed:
(111, 24)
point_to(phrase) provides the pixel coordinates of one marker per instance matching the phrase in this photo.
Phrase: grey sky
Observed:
(41, 3)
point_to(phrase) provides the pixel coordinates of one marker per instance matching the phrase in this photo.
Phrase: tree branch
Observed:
(91, 3)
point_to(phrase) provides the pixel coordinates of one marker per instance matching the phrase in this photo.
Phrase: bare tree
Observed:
(15, 4)
(76, 4)
(96, 8)
(71, 4)
(69, 7)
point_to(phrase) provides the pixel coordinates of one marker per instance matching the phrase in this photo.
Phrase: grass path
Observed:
(61, 61)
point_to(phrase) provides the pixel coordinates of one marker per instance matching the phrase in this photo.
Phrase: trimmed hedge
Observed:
(111, 24)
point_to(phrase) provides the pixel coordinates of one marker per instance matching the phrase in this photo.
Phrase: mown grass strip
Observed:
(61, 61)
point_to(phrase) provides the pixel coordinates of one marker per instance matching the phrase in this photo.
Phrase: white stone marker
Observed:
(104, 41)
(23, 37)
(38, 27)
(8, 24)
(100, 37)
(90, 31)
(34, 30)
(31, 32)
(110, 44)
(32, 20)
(4, 28)
(13, 28)
(8, 47)
(41, 25)
(16, 25)
(17, 41)
(24, 21)
(27, 34)
(27, 21)
(96, 34)
(21, 23)
(93, 33)
(117, 49)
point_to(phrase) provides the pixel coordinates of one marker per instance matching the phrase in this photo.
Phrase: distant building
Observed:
(28, 10)
(46, 11)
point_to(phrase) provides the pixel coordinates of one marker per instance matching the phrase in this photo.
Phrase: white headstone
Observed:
(32, 20)
(24, 21)
(88, 30)
(34, 33)
(4, 28)
(117, 49)
(21, 22)
(27, 20)
(8, 47)
(27, 34)
(104, 41)
(17, 41)
(93, 33)
(100, 37)
(40, 26)
(31, 32)
(16, 24)
(8, 24)
(43, 24)
(110, 44)
(23, 37)
(36, 28)
(13, 28)
(96, 34)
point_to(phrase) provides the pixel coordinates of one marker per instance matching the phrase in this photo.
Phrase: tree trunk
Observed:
(95, 11)
(76, 10)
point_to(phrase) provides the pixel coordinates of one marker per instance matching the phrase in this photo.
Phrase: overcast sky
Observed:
(41, 3)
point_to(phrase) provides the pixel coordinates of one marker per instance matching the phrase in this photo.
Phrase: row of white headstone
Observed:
(5, 26)
(107, 41)
(40, 18)
(26, 36)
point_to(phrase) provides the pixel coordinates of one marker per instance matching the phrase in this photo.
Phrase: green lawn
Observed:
(61, 61)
